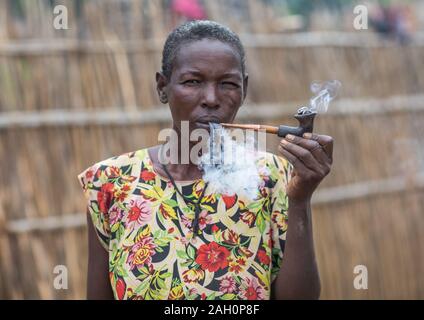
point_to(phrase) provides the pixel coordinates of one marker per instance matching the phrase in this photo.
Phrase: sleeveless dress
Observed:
(146, 227)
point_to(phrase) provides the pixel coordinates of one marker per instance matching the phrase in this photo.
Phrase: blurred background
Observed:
(70, 98)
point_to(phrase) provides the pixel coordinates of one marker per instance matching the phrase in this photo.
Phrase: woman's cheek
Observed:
(233, 102)
(186, 97)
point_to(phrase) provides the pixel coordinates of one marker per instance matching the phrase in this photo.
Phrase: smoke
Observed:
(230, 167)
(324, 93)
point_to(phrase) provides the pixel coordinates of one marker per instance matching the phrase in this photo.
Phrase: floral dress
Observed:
(146, 227)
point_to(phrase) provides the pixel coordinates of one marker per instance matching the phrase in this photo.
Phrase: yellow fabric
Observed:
(146, 227)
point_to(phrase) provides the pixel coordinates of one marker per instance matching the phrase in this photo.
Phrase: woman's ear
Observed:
(161, 87)
(245, 84)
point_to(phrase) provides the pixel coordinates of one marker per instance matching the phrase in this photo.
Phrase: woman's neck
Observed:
(177, 166)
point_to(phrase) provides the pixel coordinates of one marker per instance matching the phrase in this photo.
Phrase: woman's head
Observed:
(203, 74)
(194, 31)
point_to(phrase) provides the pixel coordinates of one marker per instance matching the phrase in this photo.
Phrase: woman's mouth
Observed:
(205, 123)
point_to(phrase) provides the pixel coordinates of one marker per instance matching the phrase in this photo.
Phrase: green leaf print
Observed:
(228, 296)
(254, 205)
(274, 172)
(120, 231)
(94, 207)
(191, 252)
(114, 227)
(121, 206)
(260, 222)
(171, 202)
(142, 287)
(182, 254)
(211, 296)
(162, 238)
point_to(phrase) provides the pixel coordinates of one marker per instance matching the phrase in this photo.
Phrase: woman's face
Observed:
(206, 84)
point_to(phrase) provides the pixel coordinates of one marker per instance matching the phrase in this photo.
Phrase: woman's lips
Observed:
(205, 123)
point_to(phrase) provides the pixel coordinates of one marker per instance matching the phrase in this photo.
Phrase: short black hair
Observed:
(194, 31)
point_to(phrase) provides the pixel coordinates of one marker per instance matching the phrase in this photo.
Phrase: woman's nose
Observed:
(210, 96)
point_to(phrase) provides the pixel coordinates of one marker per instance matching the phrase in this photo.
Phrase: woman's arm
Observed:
(311, 157)
(98, 284)
(298, 277)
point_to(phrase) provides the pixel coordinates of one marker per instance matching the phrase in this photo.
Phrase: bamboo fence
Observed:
(71, 98)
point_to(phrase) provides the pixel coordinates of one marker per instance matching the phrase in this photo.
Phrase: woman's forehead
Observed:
(207, 54)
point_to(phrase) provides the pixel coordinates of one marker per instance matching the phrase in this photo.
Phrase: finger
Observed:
(313, 146)
(297, 164)
(325, 141)
(302, 154)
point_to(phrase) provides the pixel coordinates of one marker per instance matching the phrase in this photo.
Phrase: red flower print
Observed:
(237, 265)
(280, 219)
(204, 219)
(229, 201)
(270, 240)
(203, 296)
(122, 193)
(192, 291)
(89, 174)
(104, 197)
(147, 175)
(120, 288)
(134, 213)
(114, 172)
(245, 252)
(215, 228)
(139, 212)
(250, 289)
(98, 173)
(212, 257)
(193, 275)
(230, 237)
(248, 217)
(198, 188)
(141, 253)
(115, 215)
(227, 285)
(131, 295)
(263, 257)
(186, 221)
(263, 192)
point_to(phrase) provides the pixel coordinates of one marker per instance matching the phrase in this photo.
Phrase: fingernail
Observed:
(290, 137)
(284, 141)
(307, 135)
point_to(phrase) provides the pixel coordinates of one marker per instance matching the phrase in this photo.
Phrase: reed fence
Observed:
(71, 98)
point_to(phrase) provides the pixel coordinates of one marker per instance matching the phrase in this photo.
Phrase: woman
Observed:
(157, 232)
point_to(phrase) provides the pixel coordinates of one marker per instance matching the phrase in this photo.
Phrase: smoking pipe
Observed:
(306, 124)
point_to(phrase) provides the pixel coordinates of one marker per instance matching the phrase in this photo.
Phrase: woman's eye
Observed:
(230, 85)
(191, 81)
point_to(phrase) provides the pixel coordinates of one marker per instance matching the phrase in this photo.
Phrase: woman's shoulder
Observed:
(113, 167)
